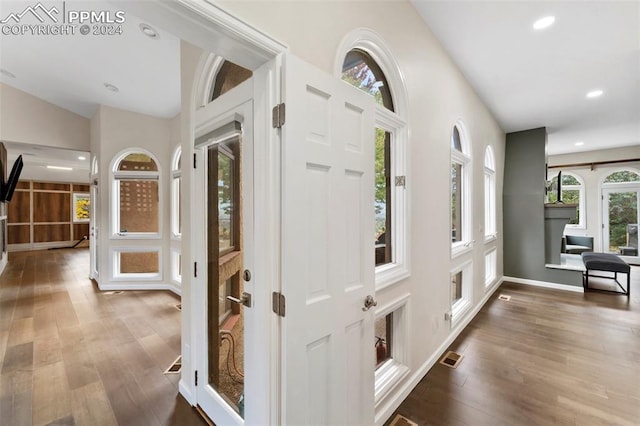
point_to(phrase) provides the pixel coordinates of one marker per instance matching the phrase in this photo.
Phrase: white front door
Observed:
(228, 361)
(327, 262)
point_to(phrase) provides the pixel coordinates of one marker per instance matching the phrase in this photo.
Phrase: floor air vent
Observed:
(504, 297)
(451, 359)
(175, 367)
(400, 420)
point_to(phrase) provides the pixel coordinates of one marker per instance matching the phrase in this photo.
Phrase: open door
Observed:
(327, 263)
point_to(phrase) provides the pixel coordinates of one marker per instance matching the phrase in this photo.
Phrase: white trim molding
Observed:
(545, 284)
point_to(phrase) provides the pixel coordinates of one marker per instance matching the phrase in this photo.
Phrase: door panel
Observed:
(226, 245)
(327, 262)
(621, 207)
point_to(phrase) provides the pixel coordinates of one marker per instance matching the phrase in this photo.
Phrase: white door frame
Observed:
(604, 205)
(205, 25)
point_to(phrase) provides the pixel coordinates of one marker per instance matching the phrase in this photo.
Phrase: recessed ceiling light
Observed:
(7, 73)
(82, 158)
(149, 31)
(111, 87)
(543, 23)
(579, 143)
(595, 93)
(59, 168)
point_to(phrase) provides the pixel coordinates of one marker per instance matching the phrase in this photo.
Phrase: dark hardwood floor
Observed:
(72, 355)
(545, 357)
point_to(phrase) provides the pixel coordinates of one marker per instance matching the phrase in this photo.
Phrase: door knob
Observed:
(369, 301)
(244, 300)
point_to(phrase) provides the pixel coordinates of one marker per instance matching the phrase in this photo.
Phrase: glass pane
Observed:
(225, 201)
(382, 204)
(360, 70)
(572, 196)
(456, 288)
(137, 162)
(383, 328)
(138, 205)
(224, 305)
(622, 176)
(229, 76)
(139, 262)
(455, 140)
(81, 207)
(456, 202)
(623, 210)
(569, 180)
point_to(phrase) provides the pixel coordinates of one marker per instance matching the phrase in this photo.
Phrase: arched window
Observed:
(490, 230)
(572, 192)
(136, 194)
(176, 191)
(228, 76)
(367, 64)
(460, 190)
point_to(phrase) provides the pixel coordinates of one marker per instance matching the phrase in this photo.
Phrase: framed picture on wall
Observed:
(81, 207)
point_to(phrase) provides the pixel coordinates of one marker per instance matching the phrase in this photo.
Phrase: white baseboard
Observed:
(140, 286)
(555, 286)
(386, 409)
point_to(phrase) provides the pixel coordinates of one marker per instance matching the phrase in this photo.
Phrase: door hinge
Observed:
(195, 269)
(401, 181)
(278, 303)
(278, 116)
(196, 377)
(194, 161)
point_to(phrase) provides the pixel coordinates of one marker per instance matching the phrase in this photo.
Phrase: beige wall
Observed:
(28, 119)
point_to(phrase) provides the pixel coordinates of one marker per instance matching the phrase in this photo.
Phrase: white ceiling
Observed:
(532, 78)
(36, 158)
(70, 71)
(528, 79)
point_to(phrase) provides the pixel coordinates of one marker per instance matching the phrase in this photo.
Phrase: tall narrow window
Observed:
(136, 195)
(176, 193)
(362, 71)
(621, 212)
(489, 194)
(460, 212)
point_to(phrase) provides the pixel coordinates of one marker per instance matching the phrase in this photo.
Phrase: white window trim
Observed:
(392, 371)
(116, 176)
(176, 175)
(174, 266)
(462, 306)
(462, 157)
(116, 275)
(490, 280)
(391, 273)
(394, 122)
(490, 201)
(582, 221)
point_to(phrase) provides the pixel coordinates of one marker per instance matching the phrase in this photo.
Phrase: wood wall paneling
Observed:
(80, 187)
(19, 234)
(80, 230)
(20, 207)
(50, 186)
(23, 184)
(51, 207)
(51, 233)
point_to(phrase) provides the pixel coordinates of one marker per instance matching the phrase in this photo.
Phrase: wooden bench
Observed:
(606, 262)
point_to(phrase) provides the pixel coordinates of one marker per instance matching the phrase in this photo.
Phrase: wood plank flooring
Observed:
(72, 355)
(546, 357)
